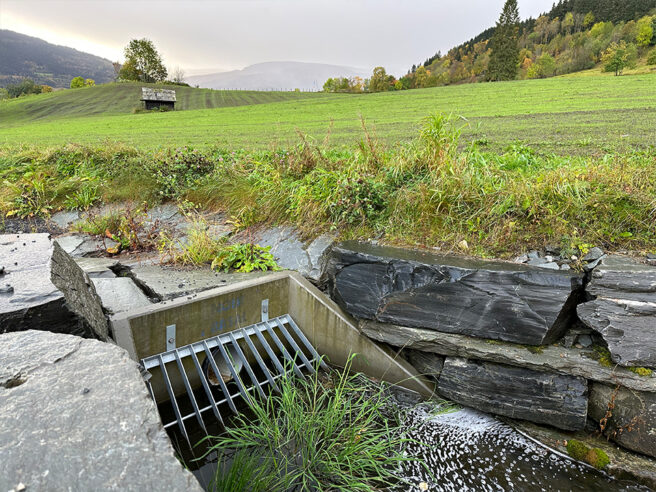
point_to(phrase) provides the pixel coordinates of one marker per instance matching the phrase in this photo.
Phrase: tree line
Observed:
(580, 37)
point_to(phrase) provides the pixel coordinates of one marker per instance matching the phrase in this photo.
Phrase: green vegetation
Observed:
(567, 116)
(504, 50)
(603, 356)
(332, 431)
(244, 258)
(426, 192)
(642, 371)
(593, 456)
(142, 62)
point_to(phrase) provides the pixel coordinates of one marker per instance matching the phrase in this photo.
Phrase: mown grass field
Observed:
(578, 115)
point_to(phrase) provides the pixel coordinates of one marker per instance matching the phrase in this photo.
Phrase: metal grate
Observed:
(226, 358)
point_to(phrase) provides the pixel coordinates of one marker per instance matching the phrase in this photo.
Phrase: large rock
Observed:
(487, 299)
(552, 358)
(76, 415)
(623, 311)
(28, 300)
(79, 290)
(291, 253)
(560, 401)
(632, 420)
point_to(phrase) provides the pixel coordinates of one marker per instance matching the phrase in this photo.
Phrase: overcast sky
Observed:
(203, 35)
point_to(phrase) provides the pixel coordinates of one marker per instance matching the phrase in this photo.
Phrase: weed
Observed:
(82, 199)
(198, 248)
(642, 371)
(581, 452)
(332, 432)
(244, 258)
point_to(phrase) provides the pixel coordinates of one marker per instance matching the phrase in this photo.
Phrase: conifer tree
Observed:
(505, 48)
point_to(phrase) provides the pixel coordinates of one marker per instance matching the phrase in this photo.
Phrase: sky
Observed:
(203, 36)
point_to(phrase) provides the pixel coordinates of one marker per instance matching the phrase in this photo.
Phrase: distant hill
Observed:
(23, 56)
(276, 76)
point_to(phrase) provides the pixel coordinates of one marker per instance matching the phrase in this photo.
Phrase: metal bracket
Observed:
(170, 337)
(265, 310)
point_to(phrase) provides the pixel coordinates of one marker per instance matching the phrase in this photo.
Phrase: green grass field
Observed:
(581, 115)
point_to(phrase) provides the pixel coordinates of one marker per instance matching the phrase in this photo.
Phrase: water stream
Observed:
(464, 450)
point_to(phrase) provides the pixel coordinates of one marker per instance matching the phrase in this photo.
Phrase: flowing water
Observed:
(462, 450)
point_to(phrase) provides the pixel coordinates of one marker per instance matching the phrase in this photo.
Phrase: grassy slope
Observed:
(114, 99)
(581, 114)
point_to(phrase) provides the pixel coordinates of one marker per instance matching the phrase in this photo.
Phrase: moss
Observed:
(577, 449)
(493, 342)
(641, 371)
(602, 355)
(535, 349)
(597, 458)
(593, 456)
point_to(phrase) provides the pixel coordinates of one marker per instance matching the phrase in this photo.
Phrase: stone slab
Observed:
(623, 309)
(570, 361)
(488, 299)
(82, 245)
(557, 400)
(632, 423)
(165, 282)
(76, 415)
(64, 219)
(28, 299)
(119, 294)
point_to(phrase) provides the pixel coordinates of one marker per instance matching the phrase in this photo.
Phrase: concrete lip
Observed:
(142, 331)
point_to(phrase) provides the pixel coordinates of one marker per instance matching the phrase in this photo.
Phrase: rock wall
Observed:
(506, 338)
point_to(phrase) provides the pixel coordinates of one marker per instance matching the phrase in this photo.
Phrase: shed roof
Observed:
(150, 94)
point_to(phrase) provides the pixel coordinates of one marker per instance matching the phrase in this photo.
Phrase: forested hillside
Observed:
(575, 35)
(23, 57)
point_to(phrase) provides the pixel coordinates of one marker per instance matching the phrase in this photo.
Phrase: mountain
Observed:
(27, 57)
(275, 76)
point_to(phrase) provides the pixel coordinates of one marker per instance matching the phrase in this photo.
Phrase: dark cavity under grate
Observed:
(274, 346)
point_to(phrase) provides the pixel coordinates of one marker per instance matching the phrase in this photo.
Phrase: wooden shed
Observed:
(157, 98)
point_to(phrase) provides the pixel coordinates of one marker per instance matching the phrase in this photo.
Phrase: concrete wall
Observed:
(142, 332)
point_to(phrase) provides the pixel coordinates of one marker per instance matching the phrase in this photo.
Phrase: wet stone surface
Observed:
(623, 309)
(28, 300)
(466, 450)
(487, 299)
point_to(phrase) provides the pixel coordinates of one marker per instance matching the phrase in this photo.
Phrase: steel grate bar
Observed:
(285, 352)
(305, 341)
(247, 366)
(261, 363)
(293, 343)
(237, 356)
(174, 402)
(190, 392)
(207, 389)
(217, 373)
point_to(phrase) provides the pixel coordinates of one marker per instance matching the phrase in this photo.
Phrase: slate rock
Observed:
(76, 415)
(550, 358)
(544, 398)
(552, 265)
(487, 299)
(537, 261)
(119, 294)
(64, 219)
(623, 309)
(78, 245)
(594, 254)
(427, 363)
(292, 254)
(79, 290)
(28, 299)
(632, 423)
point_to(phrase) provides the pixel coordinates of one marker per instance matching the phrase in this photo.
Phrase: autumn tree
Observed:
(619, 56)
(645, 31)
(380, 81)
(505, 48)
(77, 82)
(142, 62)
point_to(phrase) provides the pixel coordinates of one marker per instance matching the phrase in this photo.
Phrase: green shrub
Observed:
(651, 58)
(199, 247)
(244, 258)
(178, 170)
